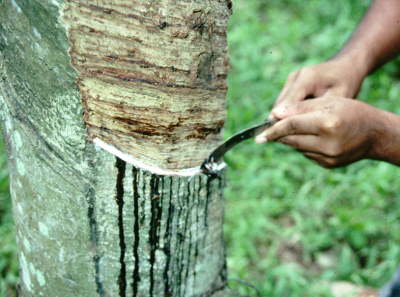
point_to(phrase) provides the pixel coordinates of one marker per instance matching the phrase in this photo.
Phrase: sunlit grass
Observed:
(284, 214)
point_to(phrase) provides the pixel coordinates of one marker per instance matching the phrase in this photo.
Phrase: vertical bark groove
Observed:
(179, 240)
(136, 197)
(119, 198)
(94, 238)
(209, 179)
(154, 226)
(167, 241)
(189, 236)
(196, 248)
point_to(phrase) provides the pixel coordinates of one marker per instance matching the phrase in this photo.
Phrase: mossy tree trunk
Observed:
(147, 77)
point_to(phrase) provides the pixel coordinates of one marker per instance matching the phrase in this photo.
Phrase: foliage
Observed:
(290, 225)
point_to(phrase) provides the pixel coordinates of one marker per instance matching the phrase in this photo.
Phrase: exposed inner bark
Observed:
(152, 75)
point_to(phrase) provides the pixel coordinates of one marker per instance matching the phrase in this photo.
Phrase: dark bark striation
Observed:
(119, 198)
(136, 233)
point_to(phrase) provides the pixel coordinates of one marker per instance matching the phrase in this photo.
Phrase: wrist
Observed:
(356, 62)
(385, 138)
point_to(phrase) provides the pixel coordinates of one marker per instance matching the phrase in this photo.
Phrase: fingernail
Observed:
(261, 139)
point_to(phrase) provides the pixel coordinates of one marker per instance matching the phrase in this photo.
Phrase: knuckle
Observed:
(307, 72)
(291, 127)
(332, 124)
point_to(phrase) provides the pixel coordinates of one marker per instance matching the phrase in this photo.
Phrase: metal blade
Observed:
(221, 150)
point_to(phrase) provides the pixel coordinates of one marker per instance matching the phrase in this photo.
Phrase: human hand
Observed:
(334, 131)
(340, 76)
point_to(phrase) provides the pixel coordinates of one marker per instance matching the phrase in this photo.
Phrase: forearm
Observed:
(386, 140)
(377, 38)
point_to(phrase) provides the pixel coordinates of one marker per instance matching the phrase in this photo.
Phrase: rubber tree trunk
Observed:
(147, 78)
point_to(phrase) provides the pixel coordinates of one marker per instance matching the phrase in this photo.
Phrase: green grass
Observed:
(285, 216)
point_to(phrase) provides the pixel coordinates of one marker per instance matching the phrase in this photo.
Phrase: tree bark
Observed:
(152, 72)
(87, 223)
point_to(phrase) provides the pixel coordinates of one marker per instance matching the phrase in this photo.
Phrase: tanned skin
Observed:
(332, 129)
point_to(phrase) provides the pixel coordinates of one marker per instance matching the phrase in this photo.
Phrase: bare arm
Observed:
(333, 130)
(387, 144)
(377, 38)
(375, 41)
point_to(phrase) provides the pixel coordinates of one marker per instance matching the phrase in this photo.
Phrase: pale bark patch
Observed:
(25, 273)
(40, 278)
(43, 229)
(15, 5)
(20, 167)
(26, 244)
(17, 140)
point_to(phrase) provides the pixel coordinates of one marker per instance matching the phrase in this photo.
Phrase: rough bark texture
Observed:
(150, 74)
(87, 223)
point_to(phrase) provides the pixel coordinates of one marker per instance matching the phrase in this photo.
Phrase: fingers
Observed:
(289, 87)
(281, 104)
(299, 85)
(326, 161)
(290, 109)
(312, 148)
(336, 77)
(303, 124)
(308, 143)
(322, 160)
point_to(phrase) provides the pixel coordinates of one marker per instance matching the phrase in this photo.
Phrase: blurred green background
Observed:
(291, 227)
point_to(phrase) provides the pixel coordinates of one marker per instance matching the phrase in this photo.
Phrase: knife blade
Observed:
(210, 165)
